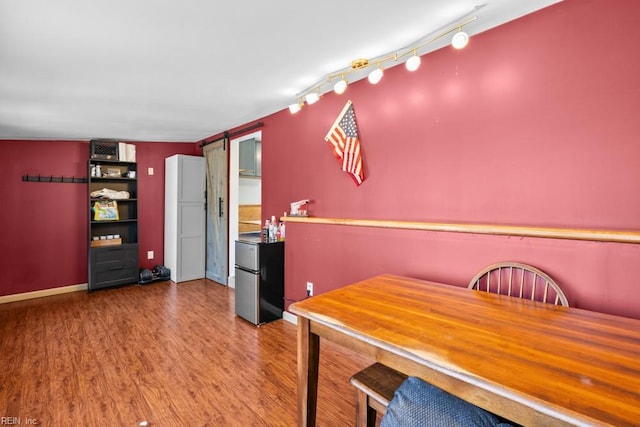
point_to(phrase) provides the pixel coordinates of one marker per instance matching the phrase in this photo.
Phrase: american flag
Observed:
(344, 141)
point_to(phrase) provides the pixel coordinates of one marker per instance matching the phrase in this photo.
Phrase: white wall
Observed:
(249, 191)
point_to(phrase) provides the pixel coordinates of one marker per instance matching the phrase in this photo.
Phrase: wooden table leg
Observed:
(308, 358)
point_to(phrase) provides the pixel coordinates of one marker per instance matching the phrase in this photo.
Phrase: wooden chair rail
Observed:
(618, 236)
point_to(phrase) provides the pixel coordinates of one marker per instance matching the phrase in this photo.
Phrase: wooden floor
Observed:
(171, 355)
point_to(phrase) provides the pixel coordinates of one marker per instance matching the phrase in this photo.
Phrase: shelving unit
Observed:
(113, 243)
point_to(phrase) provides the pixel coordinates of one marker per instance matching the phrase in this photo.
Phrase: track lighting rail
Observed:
(312, 93)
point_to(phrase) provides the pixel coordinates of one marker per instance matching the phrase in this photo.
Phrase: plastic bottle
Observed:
(273, 229)
(281, 231)
(98, 171)
(265, 231)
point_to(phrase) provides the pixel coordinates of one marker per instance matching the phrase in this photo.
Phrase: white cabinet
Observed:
(184, 217)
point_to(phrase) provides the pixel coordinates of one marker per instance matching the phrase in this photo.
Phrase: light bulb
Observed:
(375, 76)
(460, 40)
(413, 63)
(312, 98)
(294, 108)
(340, 86)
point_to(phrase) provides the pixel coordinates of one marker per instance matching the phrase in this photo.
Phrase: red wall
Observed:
(44, 229)
(534, 123)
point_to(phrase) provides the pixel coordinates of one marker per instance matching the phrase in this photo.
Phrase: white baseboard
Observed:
(43, 293)
(290, 317)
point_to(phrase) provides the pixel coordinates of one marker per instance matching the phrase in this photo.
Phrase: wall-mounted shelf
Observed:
(503, 230)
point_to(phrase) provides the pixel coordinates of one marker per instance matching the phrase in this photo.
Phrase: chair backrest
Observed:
(519, 280)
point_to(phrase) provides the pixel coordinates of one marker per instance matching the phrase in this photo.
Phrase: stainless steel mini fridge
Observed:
(259, 280)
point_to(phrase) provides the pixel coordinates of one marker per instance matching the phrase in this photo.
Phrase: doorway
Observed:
(242, 191)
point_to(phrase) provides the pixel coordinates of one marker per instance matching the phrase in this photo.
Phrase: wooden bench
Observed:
(375, 386)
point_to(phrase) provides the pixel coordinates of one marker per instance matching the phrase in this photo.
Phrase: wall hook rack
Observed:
(56, 179)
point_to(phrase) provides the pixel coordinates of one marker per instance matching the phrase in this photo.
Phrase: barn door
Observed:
(217, 268)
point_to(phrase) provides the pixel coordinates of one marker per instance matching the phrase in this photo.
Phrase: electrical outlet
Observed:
(149, 254)
(309, 289)
(150, 171)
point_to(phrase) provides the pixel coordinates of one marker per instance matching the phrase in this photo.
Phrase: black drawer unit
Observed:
(113, 266)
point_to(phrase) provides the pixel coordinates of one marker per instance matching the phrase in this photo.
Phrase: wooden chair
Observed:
(519, 280)
(376, 384)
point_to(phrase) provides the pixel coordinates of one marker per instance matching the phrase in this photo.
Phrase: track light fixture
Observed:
(294, 108)
(312, 98)
(340, 86)
(460, 39)
(413, 63)
(312, 94)
(376, 75)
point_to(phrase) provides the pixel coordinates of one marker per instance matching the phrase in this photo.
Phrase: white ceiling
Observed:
(171, 70)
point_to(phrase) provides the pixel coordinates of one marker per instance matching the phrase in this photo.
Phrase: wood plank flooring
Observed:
(169, 354)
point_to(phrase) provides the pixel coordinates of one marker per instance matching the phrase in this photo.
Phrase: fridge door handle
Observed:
(220, 207)
(248, 270)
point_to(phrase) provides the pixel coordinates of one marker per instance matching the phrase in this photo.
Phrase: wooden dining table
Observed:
(530, 362)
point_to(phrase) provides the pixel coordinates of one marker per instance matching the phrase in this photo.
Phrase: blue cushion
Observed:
(419, 404)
